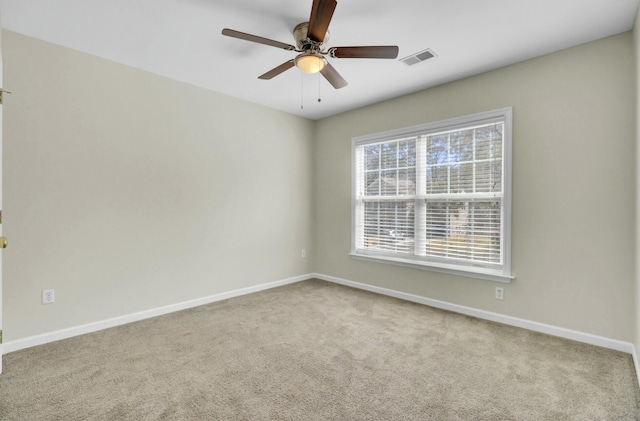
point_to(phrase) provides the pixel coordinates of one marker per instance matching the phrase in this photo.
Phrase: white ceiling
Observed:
(181, 39)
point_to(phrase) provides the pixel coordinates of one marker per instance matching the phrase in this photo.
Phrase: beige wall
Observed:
(573, 190)
(127, 191)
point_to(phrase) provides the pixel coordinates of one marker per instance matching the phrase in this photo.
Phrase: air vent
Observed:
(418, 57)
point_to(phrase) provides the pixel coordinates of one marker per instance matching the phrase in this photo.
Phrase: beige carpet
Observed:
(317, 351)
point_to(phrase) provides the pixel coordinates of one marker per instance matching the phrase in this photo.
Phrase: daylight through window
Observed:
(436, 195)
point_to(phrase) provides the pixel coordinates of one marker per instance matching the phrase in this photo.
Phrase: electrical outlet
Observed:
(48, 296)
(499, 293)
(303, 253)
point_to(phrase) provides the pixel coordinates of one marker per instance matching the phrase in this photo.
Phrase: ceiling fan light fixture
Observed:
(310, 62)
(311, 40)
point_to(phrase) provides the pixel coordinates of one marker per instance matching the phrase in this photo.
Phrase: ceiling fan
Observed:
(311, 38)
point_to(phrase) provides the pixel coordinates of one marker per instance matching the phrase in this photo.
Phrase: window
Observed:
(436, 196)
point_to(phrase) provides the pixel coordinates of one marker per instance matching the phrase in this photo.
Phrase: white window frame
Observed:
(502, 274)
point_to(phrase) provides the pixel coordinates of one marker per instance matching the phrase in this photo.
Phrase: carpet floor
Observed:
(317, 351)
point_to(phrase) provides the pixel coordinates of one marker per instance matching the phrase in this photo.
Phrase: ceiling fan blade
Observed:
(277, 70)
(381, 51)
(332, 75)
(321, 14)
(254, 38)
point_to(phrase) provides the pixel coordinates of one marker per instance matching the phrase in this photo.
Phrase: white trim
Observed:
(507, 180)
(478, 273)
(448, 125)
(501, 272)
(494, 317)
(57, 335)
(588, 338)
(636, 363)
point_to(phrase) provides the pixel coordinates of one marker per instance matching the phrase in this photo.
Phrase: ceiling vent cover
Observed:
(418, 57)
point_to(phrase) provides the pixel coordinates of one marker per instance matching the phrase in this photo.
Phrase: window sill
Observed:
(486, 275)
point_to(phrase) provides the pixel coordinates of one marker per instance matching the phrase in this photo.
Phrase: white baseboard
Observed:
(57, 335)
(494, 317)
(636, 363)
(627, 347)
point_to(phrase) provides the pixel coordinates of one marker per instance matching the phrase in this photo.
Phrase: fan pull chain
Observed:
(319, 96)
(301, 91)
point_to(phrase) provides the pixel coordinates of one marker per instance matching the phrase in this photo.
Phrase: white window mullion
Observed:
(474, 159)
(472, 211)
(420, 212)
(449, 163)
(359, 207)
(472, 228)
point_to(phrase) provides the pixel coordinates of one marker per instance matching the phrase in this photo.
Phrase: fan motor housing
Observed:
(303, 42)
